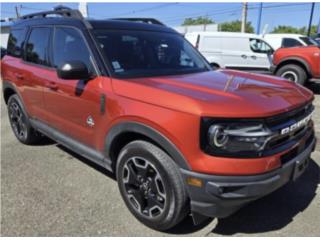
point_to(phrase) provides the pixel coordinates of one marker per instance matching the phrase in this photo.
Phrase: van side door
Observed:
(235, 52)
(260, 57)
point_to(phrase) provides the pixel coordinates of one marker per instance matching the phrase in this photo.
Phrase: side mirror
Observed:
(73, 70)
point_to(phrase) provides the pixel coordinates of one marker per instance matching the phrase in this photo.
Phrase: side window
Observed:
(37, 46)
(15, 42)
(260, 46)
(290, 42)
(69, 45)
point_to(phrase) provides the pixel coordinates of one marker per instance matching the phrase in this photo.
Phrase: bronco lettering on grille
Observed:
(297, 125)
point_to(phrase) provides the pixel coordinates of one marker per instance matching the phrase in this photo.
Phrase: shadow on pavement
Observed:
(314, 87)
(88, 162)
(274, 211)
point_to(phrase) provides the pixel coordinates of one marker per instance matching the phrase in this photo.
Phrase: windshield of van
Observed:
(309, 41)
(142, 53)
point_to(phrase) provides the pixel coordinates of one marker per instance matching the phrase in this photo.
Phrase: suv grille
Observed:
(281, 142)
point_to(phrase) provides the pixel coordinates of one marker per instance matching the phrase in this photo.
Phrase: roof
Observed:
(226, 34)
(96, 24)
(282, 35)
(129, 25)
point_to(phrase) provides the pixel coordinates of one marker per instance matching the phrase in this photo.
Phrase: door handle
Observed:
(244, 56)
(52, 85)
(254, 57)
(19, 76)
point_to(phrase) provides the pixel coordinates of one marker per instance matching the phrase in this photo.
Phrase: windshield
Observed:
(142, 53)
(309, 41)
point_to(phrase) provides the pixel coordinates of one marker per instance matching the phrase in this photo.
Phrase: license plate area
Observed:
(300, 167)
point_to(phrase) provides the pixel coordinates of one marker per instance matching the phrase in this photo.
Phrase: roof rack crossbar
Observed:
(62, 11)
(143, 20)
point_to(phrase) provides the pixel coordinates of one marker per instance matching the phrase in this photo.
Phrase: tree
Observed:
(197, 21)
(235, 26)
(286, 29)
(290, 29)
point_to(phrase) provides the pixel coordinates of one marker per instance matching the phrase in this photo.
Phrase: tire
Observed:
(294, 73)
(151, 185)
(19, 122)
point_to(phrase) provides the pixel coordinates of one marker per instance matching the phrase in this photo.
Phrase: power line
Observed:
(144, 9)
(235, 11)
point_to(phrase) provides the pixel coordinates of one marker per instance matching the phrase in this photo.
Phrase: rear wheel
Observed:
(294, 73)
(20, 123)
(151, 185)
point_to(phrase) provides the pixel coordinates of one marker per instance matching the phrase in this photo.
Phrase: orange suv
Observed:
(298, 64)
(136, 98)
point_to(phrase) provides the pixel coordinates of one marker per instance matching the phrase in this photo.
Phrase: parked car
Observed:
(287, 40)
(233, 50)
(297, 64)
(140, 101)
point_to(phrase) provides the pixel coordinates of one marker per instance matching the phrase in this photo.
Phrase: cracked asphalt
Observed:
(49, 191)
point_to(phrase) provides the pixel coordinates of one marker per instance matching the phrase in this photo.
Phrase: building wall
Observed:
(197, 28)
(4, 36)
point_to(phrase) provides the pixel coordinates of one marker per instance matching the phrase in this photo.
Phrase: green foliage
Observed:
(289, 29)
(197, 21)
(235, 26)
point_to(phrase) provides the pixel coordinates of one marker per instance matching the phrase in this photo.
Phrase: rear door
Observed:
(73, 106)
(33, 69)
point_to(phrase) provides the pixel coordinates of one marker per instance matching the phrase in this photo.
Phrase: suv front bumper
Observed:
(220, 196)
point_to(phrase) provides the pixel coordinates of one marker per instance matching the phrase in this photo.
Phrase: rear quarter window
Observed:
(15, 42)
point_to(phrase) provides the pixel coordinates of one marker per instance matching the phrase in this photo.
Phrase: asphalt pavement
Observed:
(49, 191)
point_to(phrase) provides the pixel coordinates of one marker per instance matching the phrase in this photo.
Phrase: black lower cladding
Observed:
(221, 196)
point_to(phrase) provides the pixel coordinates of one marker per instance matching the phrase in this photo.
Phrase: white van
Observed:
(286, 40)
(241, 51)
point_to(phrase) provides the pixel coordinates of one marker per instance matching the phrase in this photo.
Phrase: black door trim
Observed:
(77, 147)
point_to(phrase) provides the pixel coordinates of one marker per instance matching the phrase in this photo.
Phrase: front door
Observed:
(73, 106)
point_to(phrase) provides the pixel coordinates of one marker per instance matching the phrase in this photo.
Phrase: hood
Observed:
(223, 93)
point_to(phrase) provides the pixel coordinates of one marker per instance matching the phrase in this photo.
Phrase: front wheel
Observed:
(151, 185)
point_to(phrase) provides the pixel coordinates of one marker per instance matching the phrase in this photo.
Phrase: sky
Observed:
(173, 14)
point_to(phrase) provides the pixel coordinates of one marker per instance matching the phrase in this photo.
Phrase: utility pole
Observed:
(311, 18)
(17, 11)
(259, 18)
(244, 16)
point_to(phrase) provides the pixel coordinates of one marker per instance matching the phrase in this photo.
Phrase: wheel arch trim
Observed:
(296, 59)
(153, 134)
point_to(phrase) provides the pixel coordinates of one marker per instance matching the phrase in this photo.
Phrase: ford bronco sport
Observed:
(298, 64)
(139, 100)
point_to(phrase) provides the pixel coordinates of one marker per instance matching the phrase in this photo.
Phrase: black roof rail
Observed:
(142, 20)
(59, 10)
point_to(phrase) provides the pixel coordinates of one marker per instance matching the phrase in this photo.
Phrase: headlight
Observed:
(242, 139)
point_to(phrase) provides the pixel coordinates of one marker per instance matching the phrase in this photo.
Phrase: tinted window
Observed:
(37, 46)
(290, 42)
(140, 53)
(69, 45)
(260, 46)
(309, 41)
(15, 42)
